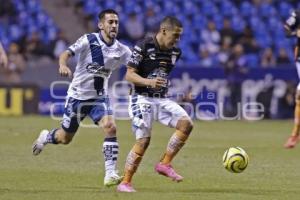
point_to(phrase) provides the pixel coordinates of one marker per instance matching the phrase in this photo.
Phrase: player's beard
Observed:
(113, 34)
(171, 45)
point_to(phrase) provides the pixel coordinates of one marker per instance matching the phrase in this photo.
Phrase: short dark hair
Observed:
(102, 14)
(171, 22)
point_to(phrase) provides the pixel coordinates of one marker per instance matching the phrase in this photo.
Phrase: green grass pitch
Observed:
(75, 171)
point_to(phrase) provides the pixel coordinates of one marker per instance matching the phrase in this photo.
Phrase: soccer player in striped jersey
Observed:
(292, 28)
(98, 55)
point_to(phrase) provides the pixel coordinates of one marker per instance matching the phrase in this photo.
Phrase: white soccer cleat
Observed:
(40, 143)
(112, 178)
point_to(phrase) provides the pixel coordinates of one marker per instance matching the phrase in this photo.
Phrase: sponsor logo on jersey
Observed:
(150, 50)
(137, 48)
(111, 51)
(95, 68)
(152, 56)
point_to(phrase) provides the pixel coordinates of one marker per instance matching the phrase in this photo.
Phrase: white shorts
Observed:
(143, 110)
(298, 71)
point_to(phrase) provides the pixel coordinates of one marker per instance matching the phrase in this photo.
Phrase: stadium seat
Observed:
(284, 9)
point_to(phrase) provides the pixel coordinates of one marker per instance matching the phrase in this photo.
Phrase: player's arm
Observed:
(136, 79)
(288, 31)
(134, 64)
(64, 70)
(291, 24)
(75, 48)
(3, 57)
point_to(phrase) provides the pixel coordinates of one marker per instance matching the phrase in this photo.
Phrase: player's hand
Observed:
(65, 71)
(157, 82)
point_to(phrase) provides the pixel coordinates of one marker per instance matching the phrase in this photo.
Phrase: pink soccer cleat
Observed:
(291, 142)
(125, 187)
(168, 171)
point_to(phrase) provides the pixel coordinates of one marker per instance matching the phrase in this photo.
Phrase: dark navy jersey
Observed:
(151, 62)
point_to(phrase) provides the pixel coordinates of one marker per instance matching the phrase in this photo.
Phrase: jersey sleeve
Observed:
(79, 45)
(136, 56)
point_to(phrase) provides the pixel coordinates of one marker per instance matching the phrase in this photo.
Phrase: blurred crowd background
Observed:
(217, 33)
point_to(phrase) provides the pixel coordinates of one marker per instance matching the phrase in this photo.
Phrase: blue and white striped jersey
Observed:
(96, 61)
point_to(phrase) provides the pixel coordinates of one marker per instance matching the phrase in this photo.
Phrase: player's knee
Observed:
(110, 128)
(185, 125)
(113, 130)
(144, 142)
(141, 145)
(297, 97)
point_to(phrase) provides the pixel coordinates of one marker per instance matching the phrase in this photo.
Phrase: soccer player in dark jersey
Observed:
(151, 62)
(292, 28)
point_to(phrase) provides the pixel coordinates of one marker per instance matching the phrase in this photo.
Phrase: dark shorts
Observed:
(76, 110)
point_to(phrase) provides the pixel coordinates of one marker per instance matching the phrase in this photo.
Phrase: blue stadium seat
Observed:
(228, 9)
(15, 32)
(218, 19)
(110, 4)
(199, 21)
(284, 9)
(89, 6)
(51, 33)
(238, 23)
(247, 9)
(190, 8)
(209, 9)
(266, 10)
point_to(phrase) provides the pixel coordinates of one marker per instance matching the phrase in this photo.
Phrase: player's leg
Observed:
(133, 161)
(101, 113)
(54, 136)
(173, 115)
(141, 112)
(184, 127)
(294, 137)
(63, 135)
(110, 150)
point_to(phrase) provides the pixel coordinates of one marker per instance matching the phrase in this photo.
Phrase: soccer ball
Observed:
(235, 159)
